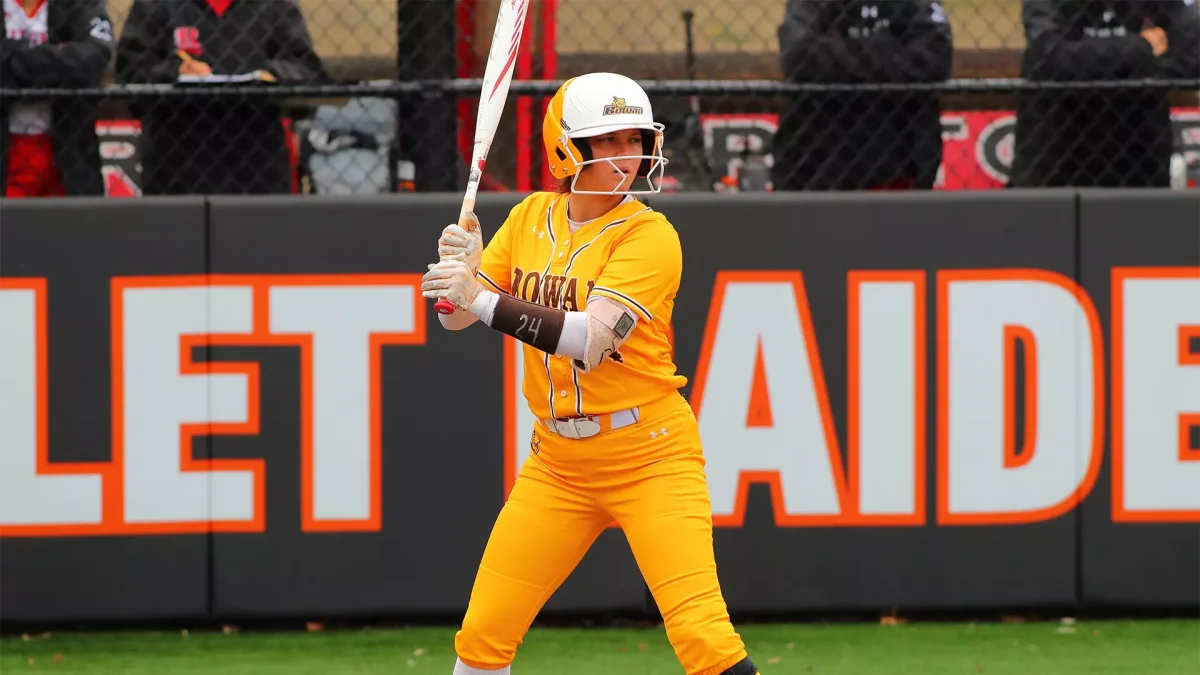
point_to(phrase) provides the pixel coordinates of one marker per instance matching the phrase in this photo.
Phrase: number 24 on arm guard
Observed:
(586, 337)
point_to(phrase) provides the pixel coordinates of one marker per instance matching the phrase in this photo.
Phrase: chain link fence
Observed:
(372, 96)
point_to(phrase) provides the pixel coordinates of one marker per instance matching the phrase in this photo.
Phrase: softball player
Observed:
(586, 279)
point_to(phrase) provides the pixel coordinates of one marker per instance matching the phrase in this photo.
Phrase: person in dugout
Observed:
(50, 149)
(215, 144)
(1101, 137)
(862, 139)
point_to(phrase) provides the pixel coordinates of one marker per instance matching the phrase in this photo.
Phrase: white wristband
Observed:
(483, 305)
(573, 341)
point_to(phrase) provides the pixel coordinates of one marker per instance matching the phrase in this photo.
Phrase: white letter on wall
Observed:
(1156, 381)
(153, 401)
(886, 384)
(978, 310)
(34, 493)
(341, 463)
(760, 336)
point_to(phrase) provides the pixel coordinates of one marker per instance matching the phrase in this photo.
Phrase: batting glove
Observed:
(465, 245)
(452, 280)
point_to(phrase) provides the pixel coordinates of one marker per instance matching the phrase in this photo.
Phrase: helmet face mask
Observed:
(594, 105)
(653, 182)
(651, 166)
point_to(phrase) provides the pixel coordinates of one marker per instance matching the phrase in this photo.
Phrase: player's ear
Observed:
(648, 142)
(585, 148)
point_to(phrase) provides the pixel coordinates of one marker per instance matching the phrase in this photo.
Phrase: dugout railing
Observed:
(978, 115)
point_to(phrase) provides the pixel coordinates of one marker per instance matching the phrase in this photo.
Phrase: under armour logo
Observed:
(660, 432)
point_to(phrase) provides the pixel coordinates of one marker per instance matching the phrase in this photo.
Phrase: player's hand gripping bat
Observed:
(497, 75)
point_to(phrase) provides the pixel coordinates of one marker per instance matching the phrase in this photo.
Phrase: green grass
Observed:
(1142, 647)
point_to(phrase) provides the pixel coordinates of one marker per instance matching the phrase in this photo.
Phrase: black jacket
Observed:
(1098, 137)
(846, 141)
(76, 54)
(210, 145)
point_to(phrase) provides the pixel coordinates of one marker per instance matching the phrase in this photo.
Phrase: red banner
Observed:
(977, 149)
(977, 145)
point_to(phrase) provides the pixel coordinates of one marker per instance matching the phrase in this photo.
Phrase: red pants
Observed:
(31, 170)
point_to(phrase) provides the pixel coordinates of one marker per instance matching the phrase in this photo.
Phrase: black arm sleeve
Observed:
(145, 53)
(1050, 55)
(293, 58)
(810, 52)
(1182, 58)
(925, 52)
(76, 57)
(531, 323)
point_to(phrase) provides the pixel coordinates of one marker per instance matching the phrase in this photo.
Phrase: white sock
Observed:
(461, 668)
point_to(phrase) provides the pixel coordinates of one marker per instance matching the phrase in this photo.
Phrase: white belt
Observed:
(586, 427)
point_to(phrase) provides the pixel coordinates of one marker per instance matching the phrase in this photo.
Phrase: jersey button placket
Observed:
(561, 408)
(562, 255)
(561, 366)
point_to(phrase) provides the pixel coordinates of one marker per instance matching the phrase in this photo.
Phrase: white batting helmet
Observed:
(596, 104)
